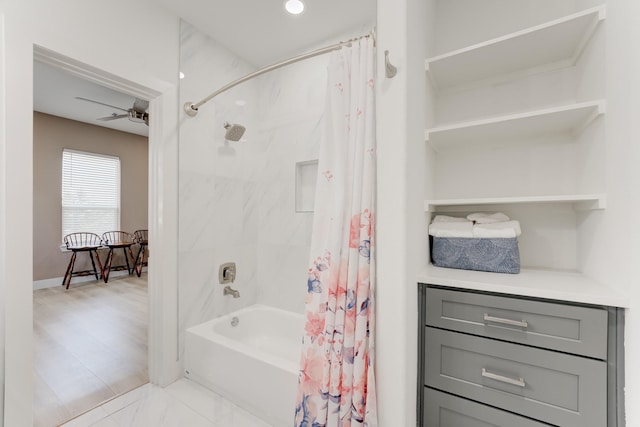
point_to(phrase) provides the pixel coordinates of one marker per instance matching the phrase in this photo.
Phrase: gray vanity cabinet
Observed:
(442, 409)
(495, 360)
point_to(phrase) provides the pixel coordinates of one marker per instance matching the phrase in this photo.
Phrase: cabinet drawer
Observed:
(446, 410)
(566, 328)
(556, 388)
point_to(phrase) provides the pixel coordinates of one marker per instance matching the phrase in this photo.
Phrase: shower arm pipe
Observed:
(192, 108)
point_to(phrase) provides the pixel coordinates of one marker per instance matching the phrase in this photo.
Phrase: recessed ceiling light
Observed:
(294, 7)
(181, 75)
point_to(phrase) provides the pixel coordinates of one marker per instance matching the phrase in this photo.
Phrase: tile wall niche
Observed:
(236, 199)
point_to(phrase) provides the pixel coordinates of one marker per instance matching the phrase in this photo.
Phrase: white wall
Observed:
(402, 183)
(465, 22)
(3, 231)
(98, 35)
(613, 243)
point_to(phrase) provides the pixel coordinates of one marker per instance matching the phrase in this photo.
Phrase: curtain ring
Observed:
(389, 69)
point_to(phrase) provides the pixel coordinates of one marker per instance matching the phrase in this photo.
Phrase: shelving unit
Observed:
(554, 44)
(580, 202)
(516, 124)
(566, 120)
(480, 148)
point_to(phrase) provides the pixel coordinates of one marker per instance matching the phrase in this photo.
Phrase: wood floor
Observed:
(90, 345)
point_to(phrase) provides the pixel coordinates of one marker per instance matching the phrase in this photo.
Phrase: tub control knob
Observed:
(227, 272)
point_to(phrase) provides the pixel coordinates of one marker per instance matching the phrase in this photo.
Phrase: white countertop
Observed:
(548, 284)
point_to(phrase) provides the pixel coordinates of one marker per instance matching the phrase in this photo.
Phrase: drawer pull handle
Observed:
(519, 323)
(519, 382)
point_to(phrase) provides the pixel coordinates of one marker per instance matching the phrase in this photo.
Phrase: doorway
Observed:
(90, 341)
(161, 317)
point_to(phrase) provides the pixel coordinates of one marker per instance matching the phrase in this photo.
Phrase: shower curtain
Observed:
(336, 381)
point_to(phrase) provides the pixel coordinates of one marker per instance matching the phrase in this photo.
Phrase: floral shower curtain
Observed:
(336, 381)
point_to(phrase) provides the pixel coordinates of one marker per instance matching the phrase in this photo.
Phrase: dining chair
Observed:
(142, 239)
(82, 242)
(117, 240)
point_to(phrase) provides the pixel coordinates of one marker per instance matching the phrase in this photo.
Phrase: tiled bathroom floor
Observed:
(181, 404)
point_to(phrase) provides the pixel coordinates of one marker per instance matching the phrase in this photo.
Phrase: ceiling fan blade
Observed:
(113, 117)
(140, 105)
(101, 103)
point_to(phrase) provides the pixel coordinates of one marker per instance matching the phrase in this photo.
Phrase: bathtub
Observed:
(254, 364)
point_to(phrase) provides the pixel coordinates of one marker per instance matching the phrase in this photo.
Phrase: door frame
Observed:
(2, 215)
(163, 355)
(163, 196)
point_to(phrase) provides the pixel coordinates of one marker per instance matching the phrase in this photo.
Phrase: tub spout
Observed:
(229, 291)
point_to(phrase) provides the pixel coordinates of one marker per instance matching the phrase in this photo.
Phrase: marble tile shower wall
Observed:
(236, 199)
(290, 108)
(218, 220)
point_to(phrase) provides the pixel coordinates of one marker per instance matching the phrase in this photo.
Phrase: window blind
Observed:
(90, 192)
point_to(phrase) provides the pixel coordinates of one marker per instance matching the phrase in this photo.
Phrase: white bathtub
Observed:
(254, 364)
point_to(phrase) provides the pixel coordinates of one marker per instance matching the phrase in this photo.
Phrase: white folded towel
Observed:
(451, 229)
(446, 218)
(485, 218)
(506, 229)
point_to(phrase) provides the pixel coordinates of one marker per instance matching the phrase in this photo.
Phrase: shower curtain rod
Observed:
(192, 109)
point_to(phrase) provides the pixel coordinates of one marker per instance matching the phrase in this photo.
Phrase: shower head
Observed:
(234, 131)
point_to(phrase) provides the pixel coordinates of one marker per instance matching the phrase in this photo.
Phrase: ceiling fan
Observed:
(137, 113)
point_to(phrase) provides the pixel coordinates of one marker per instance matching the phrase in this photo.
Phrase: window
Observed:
(90, 192)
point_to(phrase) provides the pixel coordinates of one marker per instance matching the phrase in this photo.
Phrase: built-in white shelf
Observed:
(566, 120)
(579, 202)
(554, 44)
(551, 284)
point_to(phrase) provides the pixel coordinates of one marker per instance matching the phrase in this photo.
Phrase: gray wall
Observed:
(50, 136)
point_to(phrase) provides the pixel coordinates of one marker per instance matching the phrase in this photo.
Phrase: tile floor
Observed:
(181, 404)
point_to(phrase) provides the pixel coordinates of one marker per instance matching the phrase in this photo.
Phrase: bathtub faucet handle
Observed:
(227, 272)
(228, 275)
(230, 291)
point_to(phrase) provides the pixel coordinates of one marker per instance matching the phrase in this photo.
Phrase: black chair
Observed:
(141, 237)
(117, 240)
(82, 242)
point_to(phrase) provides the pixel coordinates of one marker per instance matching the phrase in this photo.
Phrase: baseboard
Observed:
(57, 281)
